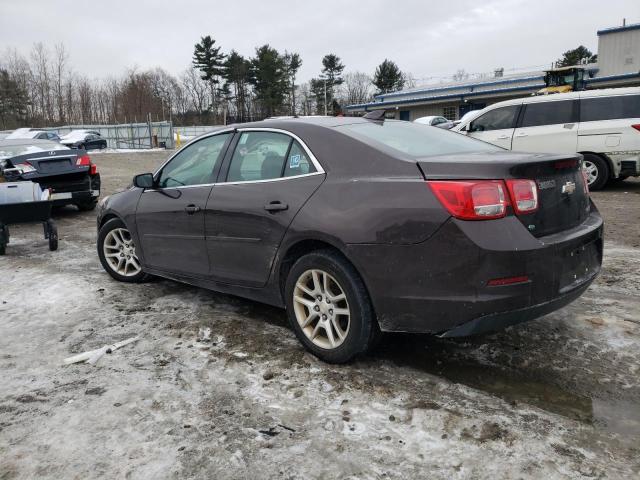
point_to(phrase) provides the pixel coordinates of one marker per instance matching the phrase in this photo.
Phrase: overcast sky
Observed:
(427, 38)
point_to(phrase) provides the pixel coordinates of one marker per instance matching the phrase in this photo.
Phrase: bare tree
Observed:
(357, 88)
(59, 73)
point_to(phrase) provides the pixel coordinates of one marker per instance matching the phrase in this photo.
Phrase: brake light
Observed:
(636, 126)
(524, 195)
(93, 169)
(25, 167)
(471, 199)
(83, 161)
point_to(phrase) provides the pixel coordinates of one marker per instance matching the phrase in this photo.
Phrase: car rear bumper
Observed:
(66, 190)
(441, 285)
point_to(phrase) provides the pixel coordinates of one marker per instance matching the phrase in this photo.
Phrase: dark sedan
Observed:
(84, 140)
(358, 226)
(70, 175)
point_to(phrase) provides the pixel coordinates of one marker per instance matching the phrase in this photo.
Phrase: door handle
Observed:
(276, 206)
(504, 137)
(191, 209)
(522, 135)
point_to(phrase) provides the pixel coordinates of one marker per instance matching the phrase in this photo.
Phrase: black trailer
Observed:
(25, 212)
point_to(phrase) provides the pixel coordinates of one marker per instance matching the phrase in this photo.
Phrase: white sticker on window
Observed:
(243, 138)
(294, 161)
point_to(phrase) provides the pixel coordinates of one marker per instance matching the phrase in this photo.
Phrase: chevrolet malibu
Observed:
(358, 226)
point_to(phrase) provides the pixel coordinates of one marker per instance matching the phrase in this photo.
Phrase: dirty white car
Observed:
(603, 125)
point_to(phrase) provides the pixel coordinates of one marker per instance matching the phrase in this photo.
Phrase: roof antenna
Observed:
(376, 115)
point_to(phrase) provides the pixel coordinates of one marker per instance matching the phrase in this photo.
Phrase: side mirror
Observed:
(144, 180)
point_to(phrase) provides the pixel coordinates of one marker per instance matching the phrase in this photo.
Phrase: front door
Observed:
(548, 127)
(170, 217)
(495, 126)
(270, 176)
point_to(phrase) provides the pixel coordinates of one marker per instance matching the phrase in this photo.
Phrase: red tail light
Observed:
(83, 161)
(93, 169)
(524, 195)
(636, 126)
(498, 282)
(472, 199)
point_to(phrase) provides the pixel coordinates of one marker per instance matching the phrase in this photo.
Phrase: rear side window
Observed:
(549, 113)
(497, 119)
(259, 156)
(609, 108)
(298, 162)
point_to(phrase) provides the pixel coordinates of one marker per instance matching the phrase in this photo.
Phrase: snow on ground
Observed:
(218, 387)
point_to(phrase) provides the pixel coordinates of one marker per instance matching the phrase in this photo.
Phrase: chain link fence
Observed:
(129, 135)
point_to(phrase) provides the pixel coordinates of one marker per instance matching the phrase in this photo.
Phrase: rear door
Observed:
(267, 178)
(548, 127)
(170, 217)
(495, 126)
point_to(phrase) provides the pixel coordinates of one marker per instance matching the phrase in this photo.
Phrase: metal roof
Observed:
(633, 26)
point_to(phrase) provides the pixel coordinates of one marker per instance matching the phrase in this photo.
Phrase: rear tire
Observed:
(116, 251)
(597, 170)
(87, 206)
(329, 308)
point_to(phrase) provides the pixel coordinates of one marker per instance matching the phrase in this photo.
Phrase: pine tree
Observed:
(576, 56)
(237, 74)
(293, 62)
(332, 73)
(209, 60)
(13, 102)
(269, 78)
(388, 77)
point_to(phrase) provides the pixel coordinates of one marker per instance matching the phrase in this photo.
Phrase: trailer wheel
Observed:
(53, 235)
(4, 239)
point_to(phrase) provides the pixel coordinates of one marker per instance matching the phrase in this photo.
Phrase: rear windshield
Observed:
(415, 139)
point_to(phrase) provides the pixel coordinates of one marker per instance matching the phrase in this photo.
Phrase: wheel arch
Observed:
(108, 216)
(303, 246)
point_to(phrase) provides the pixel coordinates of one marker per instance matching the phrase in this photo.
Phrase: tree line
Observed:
(43, 88)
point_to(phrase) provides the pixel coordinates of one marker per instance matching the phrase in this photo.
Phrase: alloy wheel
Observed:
(120, 252)
(321, 309)
(591, 170)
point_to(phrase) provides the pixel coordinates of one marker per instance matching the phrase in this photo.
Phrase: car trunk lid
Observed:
(563, 202)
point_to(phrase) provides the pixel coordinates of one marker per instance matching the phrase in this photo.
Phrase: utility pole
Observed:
(324, 79)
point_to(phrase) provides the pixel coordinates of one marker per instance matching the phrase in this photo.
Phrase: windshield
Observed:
(415, 139)
(8, 151)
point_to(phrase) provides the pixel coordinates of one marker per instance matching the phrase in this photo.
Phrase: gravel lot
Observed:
(218, 387)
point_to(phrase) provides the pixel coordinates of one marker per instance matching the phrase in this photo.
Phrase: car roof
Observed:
(556, 97)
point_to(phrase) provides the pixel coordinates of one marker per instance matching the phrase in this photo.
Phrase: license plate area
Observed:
(579, 264)
(49, 166)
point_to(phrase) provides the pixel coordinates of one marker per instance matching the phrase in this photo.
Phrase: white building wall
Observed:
(619, 52)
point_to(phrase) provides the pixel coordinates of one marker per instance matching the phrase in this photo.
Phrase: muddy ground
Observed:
(219, 388)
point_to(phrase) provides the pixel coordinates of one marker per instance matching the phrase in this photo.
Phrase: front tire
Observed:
(117, 253)
(329, 308)
(597, 171)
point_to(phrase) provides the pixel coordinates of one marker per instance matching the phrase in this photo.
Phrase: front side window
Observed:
(609, 108)
(259, 156)
(549, 113)
(195, 164)
(497, 119)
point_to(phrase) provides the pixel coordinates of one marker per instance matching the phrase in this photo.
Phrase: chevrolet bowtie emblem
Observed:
(569, 188)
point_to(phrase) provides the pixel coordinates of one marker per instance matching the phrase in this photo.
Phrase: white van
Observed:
(603, 125)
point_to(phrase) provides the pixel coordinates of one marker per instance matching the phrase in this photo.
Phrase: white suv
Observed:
(603, 125)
